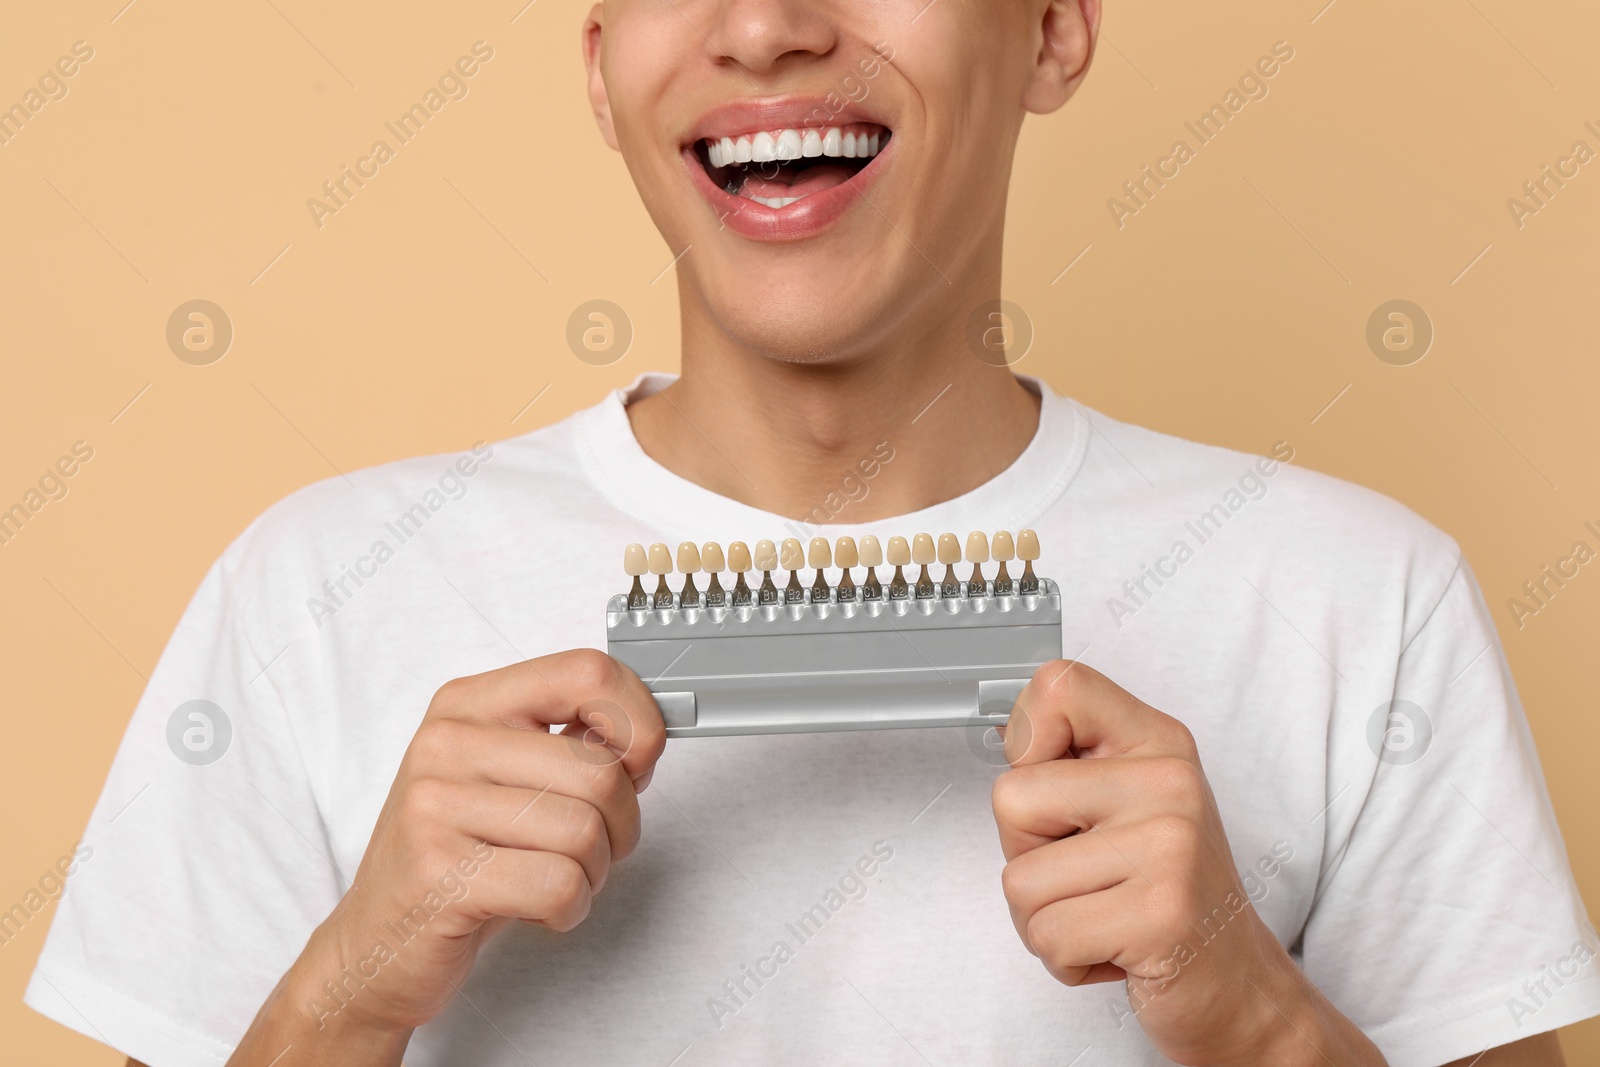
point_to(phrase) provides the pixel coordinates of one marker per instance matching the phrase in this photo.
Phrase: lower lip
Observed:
(805, 218)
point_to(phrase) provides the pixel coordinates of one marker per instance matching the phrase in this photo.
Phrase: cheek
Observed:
(965, 113)
(962, 55)
(643, 53)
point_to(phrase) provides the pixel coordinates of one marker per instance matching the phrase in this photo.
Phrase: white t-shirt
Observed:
(1277, 612)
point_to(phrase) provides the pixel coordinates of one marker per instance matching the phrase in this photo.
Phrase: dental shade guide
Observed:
(899, 557)
(1027, 552)
(846, 555)
(922, 554)
(820, 556)
(739, 563)
(949, 555)
(711, 560)
(766, 563)
(977, 555)
(1003, 552)
(637, 564)
(842, 656)
(872, 559)
(792, 557)
(688, 564)
(661, 566)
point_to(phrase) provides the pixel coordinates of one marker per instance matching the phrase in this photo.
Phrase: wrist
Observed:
(327, 990)
(1287, 1028)
(297, 1028)
(1293, 1025)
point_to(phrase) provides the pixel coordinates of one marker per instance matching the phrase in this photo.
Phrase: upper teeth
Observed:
(777, 145)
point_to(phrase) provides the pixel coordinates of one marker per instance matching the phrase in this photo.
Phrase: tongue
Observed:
(787, 182)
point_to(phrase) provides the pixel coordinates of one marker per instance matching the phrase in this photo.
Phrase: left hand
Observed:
(1118, 868)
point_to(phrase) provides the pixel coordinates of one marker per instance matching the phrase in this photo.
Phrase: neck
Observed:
(911, 424)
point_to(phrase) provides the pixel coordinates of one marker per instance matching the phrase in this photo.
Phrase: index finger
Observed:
(1070, 709)
(581, 686)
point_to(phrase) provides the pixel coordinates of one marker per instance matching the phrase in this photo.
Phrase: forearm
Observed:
(299, 1026)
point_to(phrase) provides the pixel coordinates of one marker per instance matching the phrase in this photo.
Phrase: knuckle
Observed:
(451, 694)
(589, 831)
(1176, 845)
(1179, 737)
(1044, 937)
(572, 916)
(1177, 779)
(1056, 680)
(1007, 797)
(568, 923)
(1173, 833)
(1013, 882)
(1187, 850)
(591, 669)
(426, 801)
(1038, 930)
(1164, 908)
(440, 740)
(564, 880)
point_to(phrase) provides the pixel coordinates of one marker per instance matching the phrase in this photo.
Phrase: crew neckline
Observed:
(643, 488)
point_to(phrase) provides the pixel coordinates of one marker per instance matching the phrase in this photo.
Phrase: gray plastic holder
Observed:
(826, 666)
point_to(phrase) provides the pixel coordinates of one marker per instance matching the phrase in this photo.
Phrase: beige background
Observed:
(432, 308)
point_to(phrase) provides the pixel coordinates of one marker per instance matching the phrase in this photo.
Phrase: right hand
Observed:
(492, 817)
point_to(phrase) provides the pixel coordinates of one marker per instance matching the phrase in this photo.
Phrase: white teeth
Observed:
(777, 201)
(771, 146)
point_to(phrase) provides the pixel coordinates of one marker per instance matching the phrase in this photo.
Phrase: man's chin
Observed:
(838, 306)
(788, 329)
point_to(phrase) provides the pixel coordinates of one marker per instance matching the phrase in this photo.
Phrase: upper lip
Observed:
(799, 111)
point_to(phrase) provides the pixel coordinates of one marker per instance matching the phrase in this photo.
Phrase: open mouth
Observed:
(778, 168)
